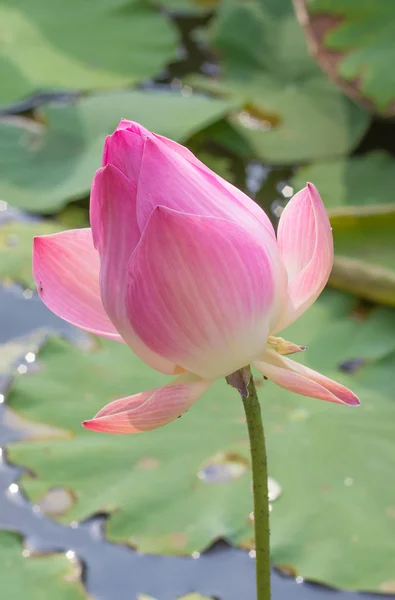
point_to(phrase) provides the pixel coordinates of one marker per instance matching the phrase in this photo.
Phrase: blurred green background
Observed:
(269, 94)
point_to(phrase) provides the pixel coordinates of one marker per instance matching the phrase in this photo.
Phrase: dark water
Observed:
(116, 572)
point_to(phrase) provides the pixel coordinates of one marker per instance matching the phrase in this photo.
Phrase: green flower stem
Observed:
(261, 493)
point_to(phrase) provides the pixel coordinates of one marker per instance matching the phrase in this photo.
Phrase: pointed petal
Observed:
(151, 409)
(124, 150)
(116, 234)
(131, 144)
(297, 378)
(202, 292)
(306, 246)
(221, 184)
(189, 186)
(66, 271)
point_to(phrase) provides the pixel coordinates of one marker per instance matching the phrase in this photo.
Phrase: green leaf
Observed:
(23, 578)
(363, 32)
(16, 242)
(359, 195)
(334, 521)
(349, 186)
(293, 113)
(365, 255)
(44, 167)
(109, 46)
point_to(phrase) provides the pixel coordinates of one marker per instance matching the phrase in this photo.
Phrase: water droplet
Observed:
(223, 467)
(13, 488)
(195, 555)
(30, 357)
(287, 191)
(252, 553)
(56, 501)
(299, 579)
(3, 205)
(74, 524)
(2, 398)
(186, 91)
(275, 489)
(22, 369)
(251, 517)
(348, 482)
(277, 209)
(27, 294)
(70, 555)
(26, 553)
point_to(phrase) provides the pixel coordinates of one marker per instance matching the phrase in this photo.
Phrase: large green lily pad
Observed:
(365, 255)
(351, 186)
(44, 167)
(293, 113)
(360, 34)
(359, 195)
(16, 242)
(80, 45)
(36, 578)
(334, 521)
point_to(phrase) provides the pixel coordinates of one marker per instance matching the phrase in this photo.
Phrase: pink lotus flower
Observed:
(187, 270)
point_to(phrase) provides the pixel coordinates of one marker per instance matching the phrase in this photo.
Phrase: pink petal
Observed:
(116, 234)
(124, 150)
(297, 378)
(66, 271)
(180, 185)
(202, 292)
(240, 198)
(306, 247)
(151, 409)
(181, 181)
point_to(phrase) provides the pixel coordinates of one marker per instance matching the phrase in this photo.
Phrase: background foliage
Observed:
(269, 94)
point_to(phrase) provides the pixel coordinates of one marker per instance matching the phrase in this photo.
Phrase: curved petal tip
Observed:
(150, 409)
(299, 379)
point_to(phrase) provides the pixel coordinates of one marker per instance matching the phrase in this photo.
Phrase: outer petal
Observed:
(239, 197)
(116, 234)
(306, 246)
(297, 378)
(125, 147)
(203, 293)
(66, 271)
(151, 409)
(185, 186)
